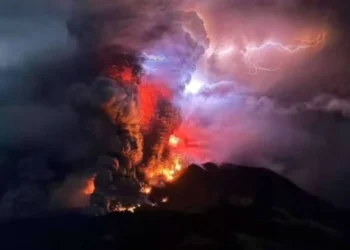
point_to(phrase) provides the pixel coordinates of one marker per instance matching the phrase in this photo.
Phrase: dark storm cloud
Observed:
(40, 116)
(30, 28)
(32, 33)
(298, 119)
(25, 126)
(33, 42)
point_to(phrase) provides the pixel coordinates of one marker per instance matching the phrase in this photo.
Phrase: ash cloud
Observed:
(155, 28)
(64, 102)
(47, 115)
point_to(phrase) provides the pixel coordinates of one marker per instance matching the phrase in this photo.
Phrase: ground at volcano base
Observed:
(233, 222)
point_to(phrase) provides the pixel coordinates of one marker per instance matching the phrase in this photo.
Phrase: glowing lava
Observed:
(168, 171)
(146, 190)
(121, 208)
(174, 141)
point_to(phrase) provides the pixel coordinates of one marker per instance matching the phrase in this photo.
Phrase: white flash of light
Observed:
(152, 57)
(151, 62)
(220, 52)
(194, 86)
(225, 51)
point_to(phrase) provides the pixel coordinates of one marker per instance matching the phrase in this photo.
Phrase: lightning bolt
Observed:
(252, 51)
(255, 65)
(152, 57)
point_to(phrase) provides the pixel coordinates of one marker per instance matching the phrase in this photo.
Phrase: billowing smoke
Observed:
(85, 114)
(75, 192)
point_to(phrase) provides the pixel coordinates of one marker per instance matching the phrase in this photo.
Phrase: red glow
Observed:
(150, 94)
(89, 187)
(125, 74)
(194, 143)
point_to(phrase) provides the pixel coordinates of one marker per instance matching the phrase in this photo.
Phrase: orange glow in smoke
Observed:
(146, 190)
(90, 186)
(174, 140)
(178, 166)
(125, 74)
(167, 171)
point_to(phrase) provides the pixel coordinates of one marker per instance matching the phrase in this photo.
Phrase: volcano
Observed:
(240, 215)
(178, 124)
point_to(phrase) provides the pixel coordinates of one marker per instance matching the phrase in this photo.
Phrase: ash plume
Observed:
(84, 118)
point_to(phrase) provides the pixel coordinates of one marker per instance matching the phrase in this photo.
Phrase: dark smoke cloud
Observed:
(59, 101)
(47, 114)
(32, 34)
(74, 192)
(155, 28)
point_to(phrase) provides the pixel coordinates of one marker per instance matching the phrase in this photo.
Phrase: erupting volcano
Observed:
(142, 75)
(155, 86)
(163, 87)
(177, 124)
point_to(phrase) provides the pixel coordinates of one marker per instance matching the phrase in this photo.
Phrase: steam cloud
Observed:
(60, 113)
